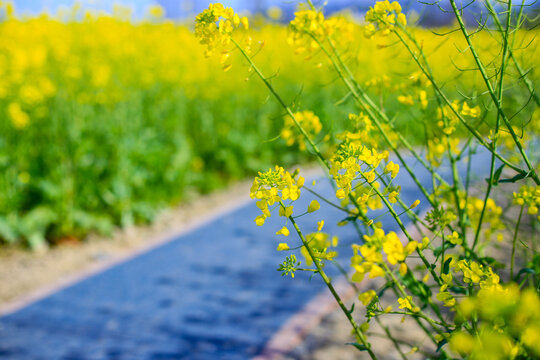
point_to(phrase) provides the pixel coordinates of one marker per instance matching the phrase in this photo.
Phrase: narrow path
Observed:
(213, 293)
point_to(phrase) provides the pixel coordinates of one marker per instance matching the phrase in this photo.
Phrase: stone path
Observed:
(213, 293)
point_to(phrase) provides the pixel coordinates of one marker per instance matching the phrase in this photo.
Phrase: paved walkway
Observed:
(211, 294)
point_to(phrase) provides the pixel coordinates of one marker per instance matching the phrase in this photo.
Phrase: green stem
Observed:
(403, 293)
(328, 283)
(328, 201)
(409, 237)
(282, 103)
(521, 72)
(497, 122)
(391, 337)
(489, 86)
(353, 87)
(513, 256)
(443, 96)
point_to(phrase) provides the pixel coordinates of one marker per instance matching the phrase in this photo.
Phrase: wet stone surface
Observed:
(213, 293)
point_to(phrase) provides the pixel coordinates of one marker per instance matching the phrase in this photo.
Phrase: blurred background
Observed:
(110, 111)
(185, 9)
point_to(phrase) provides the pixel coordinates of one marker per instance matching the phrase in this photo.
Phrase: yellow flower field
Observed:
(106, 120)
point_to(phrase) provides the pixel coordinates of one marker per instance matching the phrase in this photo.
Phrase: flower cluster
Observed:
(365, 133)
(365, 198)
(309, 122)
(310, 28)
(19, 118)
(447, 118)
(492, 214)
(438, 147)
(346, 166)
(509, 325)
(383, 17)
(307, 28)
(320, 244)
(529, 196)
(368, 257)
(472, 274)
(274, 187)
(214, 27)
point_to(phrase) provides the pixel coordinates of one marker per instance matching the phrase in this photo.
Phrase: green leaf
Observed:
(521, 175)
(350, 218)
(446, 266)
(440, 344)
(458, 290)
(358, 346)
(7, 232)
(37, 241)
(447, 245)
(524, 271)
(416, 287)
(497, 175)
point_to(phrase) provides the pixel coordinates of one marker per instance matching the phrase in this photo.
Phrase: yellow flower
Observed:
(283, 231)
(468, 111)
(286, 211)
(156, 11)
(455, 239)
(392, 168)
(425, 243)
(462, 343)
(320, 225)
(214, 28)
(405, 303)
(308, 121)
(392, 197)
(19, 118)
(395, 252)
(406, 100)
(402, 19)
(313, 206)
(383, 15)
(446, 298)
(367, 296)
(283, 247)
(376, 271)
(276, 185)
(259, 220)
(403, 269)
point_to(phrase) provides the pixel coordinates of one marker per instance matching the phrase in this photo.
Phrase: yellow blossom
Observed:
(283, 231)
(313, 206)
(367, 296)
(392, 168)
(405, 303)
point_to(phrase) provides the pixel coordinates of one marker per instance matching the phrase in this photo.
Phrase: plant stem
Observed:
(282, 103)
(496, 102)
(328, 283)
(443, 96)
(512, 259)
(498, 120)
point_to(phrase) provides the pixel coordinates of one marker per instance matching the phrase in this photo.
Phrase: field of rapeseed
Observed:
(441, 272)
(105, 120)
